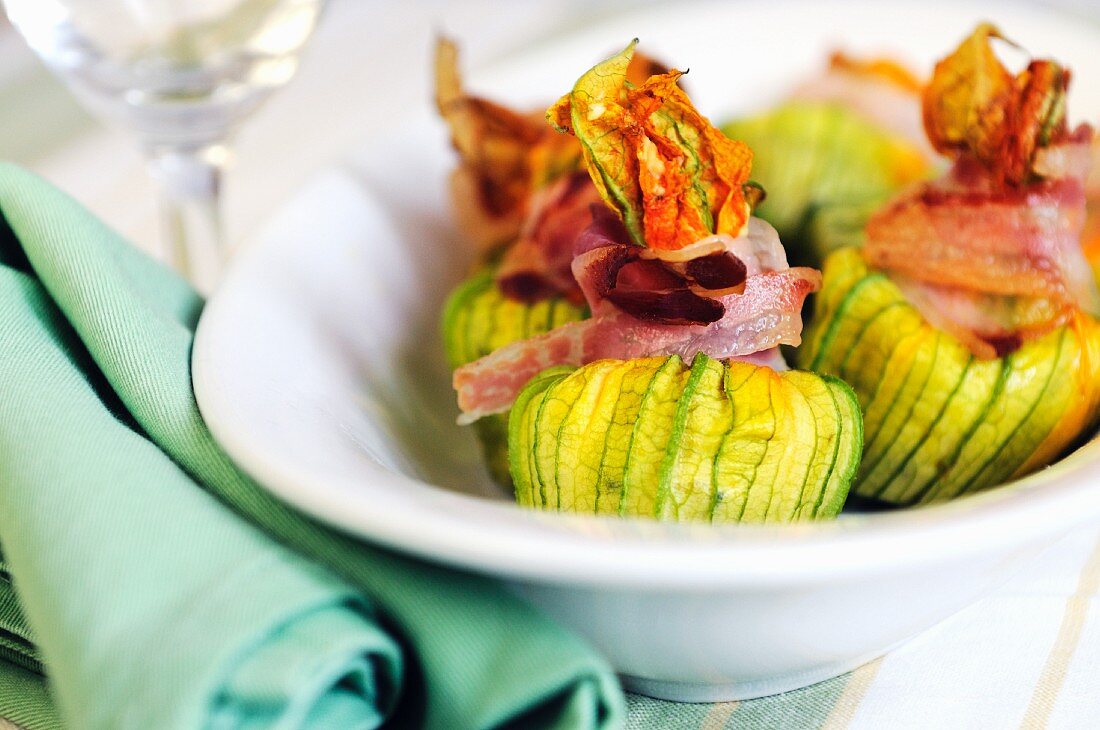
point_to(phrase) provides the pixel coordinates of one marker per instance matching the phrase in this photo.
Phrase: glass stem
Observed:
(190, 180)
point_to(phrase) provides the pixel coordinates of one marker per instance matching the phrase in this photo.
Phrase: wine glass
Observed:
(182, 74)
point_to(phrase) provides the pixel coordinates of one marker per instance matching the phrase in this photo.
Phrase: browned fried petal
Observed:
(494, 143)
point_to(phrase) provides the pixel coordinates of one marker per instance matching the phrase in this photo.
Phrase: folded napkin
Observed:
(157, 586)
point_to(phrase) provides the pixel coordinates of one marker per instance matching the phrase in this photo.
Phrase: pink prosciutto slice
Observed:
(757, 252)
(764, 315)
(961, 232)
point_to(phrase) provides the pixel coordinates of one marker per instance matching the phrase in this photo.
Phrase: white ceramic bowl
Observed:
(318, 366)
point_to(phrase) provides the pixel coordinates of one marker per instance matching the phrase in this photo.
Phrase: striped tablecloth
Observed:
(1027, 656)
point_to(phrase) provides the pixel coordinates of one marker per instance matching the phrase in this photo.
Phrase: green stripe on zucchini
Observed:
(939, 422)
(825, 170)
(709, 442)
(478, 319)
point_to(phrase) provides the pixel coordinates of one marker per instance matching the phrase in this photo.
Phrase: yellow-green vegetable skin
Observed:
(825, 170)
(713, 442)
(478, 319)
(939, 422)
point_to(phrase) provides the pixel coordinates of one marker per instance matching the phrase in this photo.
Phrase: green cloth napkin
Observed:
(148, 599)
(152, 604)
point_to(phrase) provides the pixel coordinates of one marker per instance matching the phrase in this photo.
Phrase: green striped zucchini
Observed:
(939, 422)
(712, 442)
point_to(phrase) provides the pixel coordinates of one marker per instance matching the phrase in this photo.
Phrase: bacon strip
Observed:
(963, 232)
(760, 250)
(765, 315)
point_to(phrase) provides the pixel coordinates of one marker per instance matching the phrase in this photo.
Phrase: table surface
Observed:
(1027, 656)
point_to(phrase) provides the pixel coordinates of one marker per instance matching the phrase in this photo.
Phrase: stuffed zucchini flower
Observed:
(671, 401)
(967, 322)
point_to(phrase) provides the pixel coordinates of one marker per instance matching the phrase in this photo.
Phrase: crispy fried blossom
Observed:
(670, 175)
(992, 250)
(974, 106)
(492, 183)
